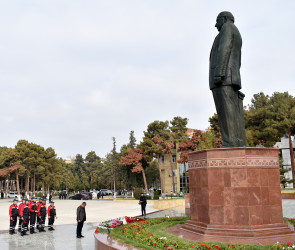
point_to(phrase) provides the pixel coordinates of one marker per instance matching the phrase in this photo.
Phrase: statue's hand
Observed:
(217, 80)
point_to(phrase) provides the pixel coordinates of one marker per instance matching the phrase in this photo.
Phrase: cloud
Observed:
(73, 74)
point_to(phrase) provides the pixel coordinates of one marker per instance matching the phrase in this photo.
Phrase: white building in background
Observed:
(284, 146)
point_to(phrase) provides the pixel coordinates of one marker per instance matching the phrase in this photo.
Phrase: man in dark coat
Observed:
(81, 217)
(142, 202)
(225, 81)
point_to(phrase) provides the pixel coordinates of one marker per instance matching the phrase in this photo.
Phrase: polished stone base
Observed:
(105, 242)
(235, 192)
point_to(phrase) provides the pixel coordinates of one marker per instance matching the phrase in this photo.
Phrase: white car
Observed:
(12, 194)
(106, 191)
(94, 195)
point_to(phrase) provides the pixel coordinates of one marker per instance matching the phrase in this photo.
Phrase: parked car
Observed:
(12, 194)
(89, 195)
(79, 197)
(106, 191)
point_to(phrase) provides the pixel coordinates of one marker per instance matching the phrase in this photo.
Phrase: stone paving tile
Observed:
(64, 237)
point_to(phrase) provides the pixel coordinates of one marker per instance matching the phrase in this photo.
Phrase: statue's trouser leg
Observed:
(228, 109)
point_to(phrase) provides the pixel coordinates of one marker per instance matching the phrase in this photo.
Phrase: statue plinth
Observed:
(235, 192)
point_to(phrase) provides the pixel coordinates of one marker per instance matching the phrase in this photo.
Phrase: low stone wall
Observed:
(288, 196)
(167, 204)
(130, 201)
(160, 204)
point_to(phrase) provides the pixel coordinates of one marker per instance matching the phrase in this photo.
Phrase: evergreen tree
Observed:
(132, 140)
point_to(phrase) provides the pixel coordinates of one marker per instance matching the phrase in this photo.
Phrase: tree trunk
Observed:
(161, 177)
(22, 184)
(27, 184)
(292, 157)
(32, 183)
(6, 183)
(43, 187)
(144, 181)
(34, 186)
(17, 182)
(172, 173)
(185, 179)
(48, 188)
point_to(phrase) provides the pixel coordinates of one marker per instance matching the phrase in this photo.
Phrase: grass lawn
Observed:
(150, 234)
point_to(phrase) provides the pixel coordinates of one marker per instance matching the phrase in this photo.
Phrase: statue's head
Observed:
(223, 17)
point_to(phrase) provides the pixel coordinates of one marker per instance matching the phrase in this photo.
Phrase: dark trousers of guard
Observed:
(20, 221)
(143, 212)
(38, 222)
(79, 228)
(42, 223)
(32, 223)
(25, 225)
(50, 223)
(12, 225)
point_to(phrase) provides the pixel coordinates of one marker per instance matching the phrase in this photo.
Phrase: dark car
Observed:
(79, 197)
(89, 195)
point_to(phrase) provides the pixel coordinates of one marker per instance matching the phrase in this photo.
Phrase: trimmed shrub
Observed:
(137, 192)
(157, 192)
(156, 197)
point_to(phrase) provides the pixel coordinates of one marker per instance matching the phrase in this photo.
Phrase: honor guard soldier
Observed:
(42, 215)
(38, 219)
(33, 214)
(51, 215)
(13, 213)
(20, 221)
(25, 214)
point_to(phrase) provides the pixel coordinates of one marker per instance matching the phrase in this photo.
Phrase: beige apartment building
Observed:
(179, 172)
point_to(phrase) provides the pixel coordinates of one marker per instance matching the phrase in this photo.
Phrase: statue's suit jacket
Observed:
(225, 57)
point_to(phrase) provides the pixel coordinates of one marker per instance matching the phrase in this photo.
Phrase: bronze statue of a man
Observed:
(225, 81)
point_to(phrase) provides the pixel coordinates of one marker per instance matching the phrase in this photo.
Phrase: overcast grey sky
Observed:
(75, 73)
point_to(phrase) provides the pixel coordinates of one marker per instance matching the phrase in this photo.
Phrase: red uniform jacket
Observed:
(40, 207)
(20, 206)
(21, 210)
(52, 210)
(13, 210)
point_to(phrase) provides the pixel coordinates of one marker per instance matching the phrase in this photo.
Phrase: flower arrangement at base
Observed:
(107, 226)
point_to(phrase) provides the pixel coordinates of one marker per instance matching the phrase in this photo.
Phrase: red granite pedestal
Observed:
(236, 193)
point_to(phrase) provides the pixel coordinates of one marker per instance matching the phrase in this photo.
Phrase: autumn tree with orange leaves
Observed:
(135, 159)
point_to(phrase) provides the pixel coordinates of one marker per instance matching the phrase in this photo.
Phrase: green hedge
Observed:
(137, 192)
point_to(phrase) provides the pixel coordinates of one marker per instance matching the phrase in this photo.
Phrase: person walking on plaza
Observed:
(25, 215)
(42, 215)
(51, 215)
(20, 221)
(81, 217)
(2, 194)
(33, 214)
(50, 198)
(13, 213)
(142, 202)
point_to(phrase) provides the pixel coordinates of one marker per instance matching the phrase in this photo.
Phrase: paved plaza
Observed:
(97, 210)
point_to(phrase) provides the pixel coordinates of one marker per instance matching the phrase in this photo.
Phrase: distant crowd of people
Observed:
(63, 196)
